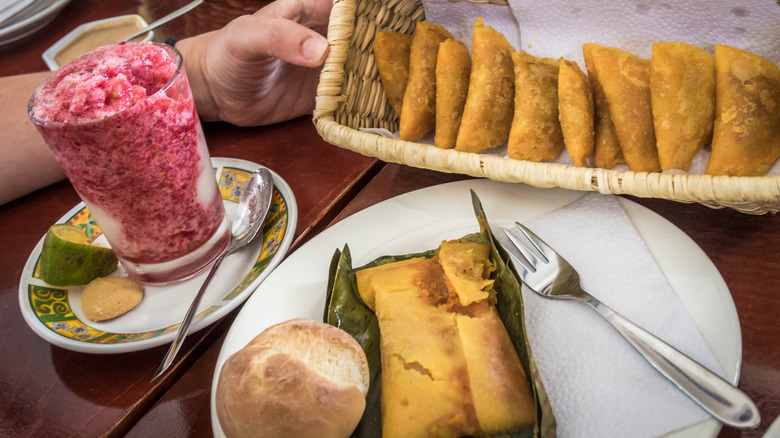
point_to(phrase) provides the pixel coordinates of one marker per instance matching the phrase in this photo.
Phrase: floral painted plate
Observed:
(55, 314)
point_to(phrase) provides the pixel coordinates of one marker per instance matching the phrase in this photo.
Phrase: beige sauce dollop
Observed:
(101, 34)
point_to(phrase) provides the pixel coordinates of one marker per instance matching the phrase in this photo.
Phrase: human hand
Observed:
(259, 69)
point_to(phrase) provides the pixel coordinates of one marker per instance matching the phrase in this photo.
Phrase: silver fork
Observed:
(548, 274)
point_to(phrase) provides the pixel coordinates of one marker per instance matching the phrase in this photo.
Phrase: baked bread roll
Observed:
(299, 378)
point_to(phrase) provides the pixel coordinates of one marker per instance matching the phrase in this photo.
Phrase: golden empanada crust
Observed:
(536, 131)
(682, 92)
(391, 53)
(487, 116)
(418, 113)
(576, 111)
(746, 136)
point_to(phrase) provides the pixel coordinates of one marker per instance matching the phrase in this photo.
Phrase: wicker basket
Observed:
(350, 97)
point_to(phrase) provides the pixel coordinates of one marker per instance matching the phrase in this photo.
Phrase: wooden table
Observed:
(47, 390)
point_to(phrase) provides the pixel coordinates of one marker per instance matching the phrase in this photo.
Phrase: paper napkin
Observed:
(597, 383)
(559, 28)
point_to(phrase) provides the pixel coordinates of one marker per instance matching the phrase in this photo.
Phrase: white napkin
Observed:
(610, 391)
(559, 28)
(458, 18)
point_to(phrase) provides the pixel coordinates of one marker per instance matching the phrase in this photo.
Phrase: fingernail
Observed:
(314, 48)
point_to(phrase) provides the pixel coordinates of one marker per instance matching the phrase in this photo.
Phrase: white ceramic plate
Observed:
(419, 220)
(10, 10)
(30, 20)
(54, 313)
(774, 429)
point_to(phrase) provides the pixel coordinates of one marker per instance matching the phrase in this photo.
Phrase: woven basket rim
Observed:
(754, 195)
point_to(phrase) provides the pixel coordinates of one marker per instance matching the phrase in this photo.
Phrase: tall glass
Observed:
(122, 123)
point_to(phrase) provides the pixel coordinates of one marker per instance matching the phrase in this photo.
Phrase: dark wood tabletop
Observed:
(48, 390)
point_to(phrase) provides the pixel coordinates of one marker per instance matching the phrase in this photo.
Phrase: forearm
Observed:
(27, 164)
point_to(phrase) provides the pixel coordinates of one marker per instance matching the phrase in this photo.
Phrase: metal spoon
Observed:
(250, 215)
(181, 11)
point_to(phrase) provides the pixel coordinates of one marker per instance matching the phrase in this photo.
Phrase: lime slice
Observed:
(67, 258)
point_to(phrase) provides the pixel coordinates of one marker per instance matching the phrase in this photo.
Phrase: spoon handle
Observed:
(181, 11)
(185, 324)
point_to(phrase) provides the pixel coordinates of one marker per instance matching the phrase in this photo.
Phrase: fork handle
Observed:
(715, 395)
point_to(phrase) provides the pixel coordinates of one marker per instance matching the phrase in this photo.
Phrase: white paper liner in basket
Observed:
(353, 24)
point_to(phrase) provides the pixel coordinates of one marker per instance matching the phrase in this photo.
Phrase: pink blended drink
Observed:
(122, 123)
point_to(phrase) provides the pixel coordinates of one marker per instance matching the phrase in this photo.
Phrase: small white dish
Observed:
(90, 36)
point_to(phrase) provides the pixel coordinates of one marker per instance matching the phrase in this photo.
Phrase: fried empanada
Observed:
(606, 143)
(418, 113)
(682, 93)
(452, 85)
(391, 53)
(746, 137)
(535, 134)
(625, 79)
(487, 116)
(575, 111)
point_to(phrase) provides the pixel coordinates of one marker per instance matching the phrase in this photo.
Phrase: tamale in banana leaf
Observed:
(345, 309)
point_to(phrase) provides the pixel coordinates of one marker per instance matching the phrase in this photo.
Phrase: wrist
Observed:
(193, 51)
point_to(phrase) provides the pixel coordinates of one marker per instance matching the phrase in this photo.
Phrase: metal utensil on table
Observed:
(548, 274)
(250, 215)
(181, 11)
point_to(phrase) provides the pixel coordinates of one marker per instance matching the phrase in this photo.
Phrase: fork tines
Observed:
(525, 248)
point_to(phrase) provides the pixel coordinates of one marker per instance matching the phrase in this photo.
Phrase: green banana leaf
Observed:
(345, 309)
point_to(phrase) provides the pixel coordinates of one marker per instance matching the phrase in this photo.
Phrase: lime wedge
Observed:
(67, 258)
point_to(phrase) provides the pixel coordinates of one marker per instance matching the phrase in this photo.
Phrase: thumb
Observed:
(314, 50)
(262, 36)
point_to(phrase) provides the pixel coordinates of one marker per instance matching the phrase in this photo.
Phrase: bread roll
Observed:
(299, 378)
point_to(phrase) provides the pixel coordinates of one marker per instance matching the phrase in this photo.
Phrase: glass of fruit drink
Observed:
(122, 123)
